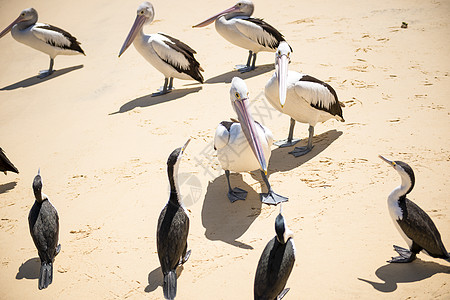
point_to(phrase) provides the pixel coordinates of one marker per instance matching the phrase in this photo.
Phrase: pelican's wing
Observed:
(318, 94)
(57, 37)
(222, 135)
(177, 54)
(260, 32)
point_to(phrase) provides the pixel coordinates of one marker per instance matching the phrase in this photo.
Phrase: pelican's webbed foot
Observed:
(299, 151)
(286, 143)
(237, 194)
(272, 198)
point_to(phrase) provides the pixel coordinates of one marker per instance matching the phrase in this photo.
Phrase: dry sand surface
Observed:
(102, 144)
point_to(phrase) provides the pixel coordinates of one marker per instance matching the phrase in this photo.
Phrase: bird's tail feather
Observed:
(170, 285)
(45, 275)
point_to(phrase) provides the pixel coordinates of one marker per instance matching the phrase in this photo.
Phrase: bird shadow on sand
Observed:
(393, 274)
(226, 221)
(29, 269)
(36, 80)
(7, 187)
(149, 100)
(282, 161)
(156, 279)
(228, 76)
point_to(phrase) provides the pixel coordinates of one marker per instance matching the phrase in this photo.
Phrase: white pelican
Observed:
(244, 146)
(168, 55)
(43, 37)
(304, 98)
(237, 27)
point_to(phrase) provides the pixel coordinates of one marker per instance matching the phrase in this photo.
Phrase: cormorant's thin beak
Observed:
(138, 23)
(185, 145)
(282, 74)
(8, 29)
(392, 163)
(249, 129)
(213, 18)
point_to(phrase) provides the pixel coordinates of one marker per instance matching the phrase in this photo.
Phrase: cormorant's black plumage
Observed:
(43, 221)
(6, 164)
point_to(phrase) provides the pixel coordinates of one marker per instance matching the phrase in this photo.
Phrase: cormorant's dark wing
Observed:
(419, 227)
(6, 164)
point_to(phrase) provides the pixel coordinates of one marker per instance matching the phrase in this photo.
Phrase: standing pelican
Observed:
(5, 164)
(304, 98)
(414, 224)
(275, 264)
(44, 228)
(173, 228)
(168, 55)
(237, 27)
(43, 37)
(244, 146)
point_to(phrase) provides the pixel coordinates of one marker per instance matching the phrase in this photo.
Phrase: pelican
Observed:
(414, 224)
(276, 263)
(236, 26)
(168, 55)
(244, 145)
(43, 37)
(304, 98)
(5, 164)
(43, 221)
(173, 228)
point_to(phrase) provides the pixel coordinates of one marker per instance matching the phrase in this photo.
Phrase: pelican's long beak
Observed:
(213, 18)
(282, 74)
(390, 162)
(138, 23)
(8, 29)
(249, 129)
(185, 145)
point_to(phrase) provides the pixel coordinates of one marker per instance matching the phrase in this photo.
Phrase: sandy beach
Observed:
(102, 142)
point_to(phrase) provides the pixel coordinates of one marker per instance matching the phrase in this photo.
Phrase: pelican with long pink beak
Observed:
(302, 97)
(244, 145)
(43, 37)
(173, 58)
(253, 34)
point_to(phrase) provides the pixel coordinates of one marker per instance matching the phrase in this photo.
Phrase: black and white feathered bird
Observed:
(44, 228)
(302, 97)
(5, 164)
(173, 228)
(253, 34)
(414, 224)
(43, 37)
(171, 57)
(275, 264)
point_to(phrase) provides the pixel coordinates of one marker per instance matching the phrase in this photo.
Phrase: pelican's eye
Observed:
(288, 54)
(247, 94)
(237, 95)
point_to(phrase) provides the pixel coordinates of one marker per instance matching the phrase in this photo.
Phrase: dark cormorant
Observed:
(6, 164)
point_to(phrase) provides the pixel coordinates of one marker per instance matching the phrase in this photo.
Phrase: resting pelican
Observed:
(304, 98)
(168, 55)
(43, 37)
(244, 146)
(237, 27)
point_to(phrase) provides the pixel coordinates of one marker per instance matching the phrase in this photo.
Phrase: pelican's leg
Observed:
(254, 62)
(236, 193)
(247, 67)
(299, 151)
(170, 87)
(271, 197)
(406, 256)
(290, 141)
(48, 72)
(164, 89)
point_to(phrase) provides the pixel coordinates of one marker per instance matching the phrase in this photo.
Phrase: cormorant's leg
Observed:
(164, 90)
(48, 72)
(283, 293)
(271, 197)
(236, 193)
(406, 256)
(299, 151)
(290, 141)
(58, 249)
(185, 256)
(247, 67)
